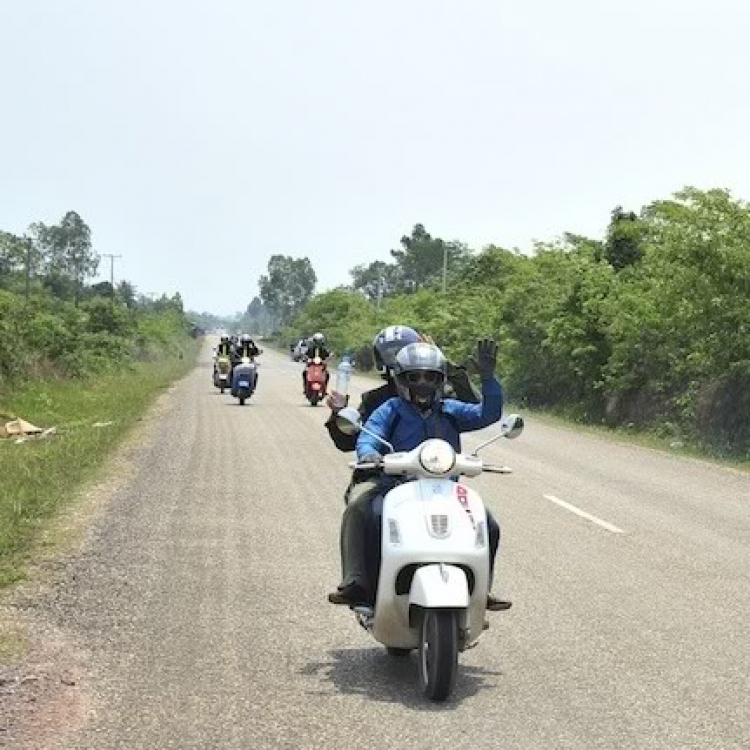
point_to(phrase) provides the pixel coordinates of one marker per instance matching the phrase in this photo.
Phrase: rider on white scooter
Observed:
(418, 413)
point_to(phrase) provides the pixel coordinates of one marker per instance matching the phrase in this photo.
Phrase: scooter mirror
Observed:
(512, 426)
(349, 420)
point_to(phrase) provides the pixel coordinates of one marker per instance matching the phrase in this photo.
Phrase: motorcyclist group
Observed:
(423, 396)
(232, 354)
(236, 347)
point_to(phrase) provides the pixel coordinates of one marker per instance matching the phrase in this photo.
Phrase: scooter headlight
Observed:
(437, 457)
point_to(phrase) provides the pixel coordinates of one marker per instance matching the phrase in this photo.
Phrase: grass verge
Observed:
(39, 478)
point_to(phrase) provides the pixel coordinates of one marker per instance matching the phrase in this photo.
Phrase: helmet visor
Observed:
(428, 377)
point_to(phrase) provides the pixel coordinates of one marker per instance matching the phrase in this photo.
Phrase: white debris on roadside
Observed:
(23, 431)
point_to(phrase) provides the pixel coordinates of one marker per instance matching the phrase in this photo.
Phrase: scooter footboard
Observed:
(439, 586)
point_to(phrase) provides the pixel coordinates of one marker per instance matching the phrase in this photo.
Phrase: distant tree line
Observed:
(55, 321)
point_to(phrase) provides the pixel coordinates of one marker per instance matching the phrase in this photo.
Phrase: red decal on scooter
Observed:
(462, 494)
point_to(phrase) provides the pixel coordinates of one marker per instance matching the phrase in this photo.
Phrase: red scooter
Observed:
(316, 380)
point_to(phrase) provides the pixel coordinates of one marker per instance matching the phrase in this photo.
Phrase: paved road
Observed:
(200, 599)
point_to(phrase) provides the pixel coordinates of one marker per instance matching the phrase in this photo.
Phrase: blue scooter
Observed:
(244, 380)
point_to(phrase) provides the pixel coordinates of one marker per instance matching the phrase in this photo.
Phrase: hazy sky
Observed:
(199, 138)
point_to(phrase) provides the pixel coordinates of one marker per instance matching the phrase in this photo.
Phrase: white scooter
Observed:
(434, 570)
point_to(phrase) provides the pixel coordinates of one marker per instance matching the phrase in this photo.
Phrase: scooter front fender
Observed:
(439, 586)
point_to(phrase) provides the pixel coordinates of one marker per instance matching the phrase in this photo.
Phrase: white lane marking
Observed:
(573, 509)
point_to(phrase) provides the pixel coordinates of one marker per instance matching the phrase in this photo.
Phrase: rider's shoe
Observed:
(352, 594)
(497, 605)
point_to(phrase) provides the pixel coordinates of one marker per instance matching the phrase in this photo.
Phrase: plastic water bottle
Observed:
(344, 376)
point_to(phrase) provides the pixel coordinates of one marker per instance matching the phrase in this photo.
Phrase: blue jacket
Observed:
(401, 424)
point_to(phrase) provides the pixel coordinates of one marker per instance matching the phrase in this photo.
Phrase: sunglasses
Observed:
(429, 377)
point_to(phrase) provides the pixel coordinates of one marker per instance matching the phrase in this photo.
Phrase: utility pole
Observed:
(112, 259)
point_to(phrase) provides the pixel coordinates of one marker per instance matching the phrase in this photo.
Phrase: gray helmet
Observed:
(246, 338)
(318, 339)
(388, 343)
(420, 374)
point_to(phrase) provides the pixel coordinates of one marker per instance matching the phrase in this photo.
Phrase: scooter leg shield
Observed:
(439, 586)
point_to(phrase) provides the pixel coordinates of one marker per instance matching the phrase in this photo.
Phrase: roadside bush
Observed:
(45, 336)
(105, 317)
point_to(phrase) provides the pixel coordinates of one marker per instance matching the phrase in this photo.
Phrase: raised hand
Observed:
(485, 360)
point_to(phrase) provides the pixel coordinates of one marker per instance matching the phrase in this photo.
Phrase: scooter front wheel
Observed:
(438, 653)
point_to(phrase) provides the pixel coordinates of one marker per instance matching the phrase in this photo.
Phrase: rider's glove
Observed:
(337, 401)
(486, 358)
(371, 458)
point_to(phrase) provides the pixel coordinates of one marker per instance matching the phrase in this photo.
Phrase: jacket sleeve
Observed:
(470, 417)
(379, 423)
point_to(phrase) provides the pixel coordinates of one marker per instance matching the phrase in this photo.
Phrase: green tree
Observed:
(421, 257)
(165, 303)
(493, 267)
(100, 289)
(623, 246)
(347, 319)
(286, 288)
(126, 293)
(12, 255)
(377, 280)
(104, 317)
(19, 260)
(681, 325)
(67, 253)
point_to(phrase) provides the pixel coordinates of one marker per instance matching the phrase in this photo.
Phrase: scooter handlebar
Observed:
(370, 466)
(497, 469)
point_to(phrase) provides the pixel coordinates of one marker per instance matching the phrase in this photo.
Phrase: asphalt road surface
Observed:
(200, 599)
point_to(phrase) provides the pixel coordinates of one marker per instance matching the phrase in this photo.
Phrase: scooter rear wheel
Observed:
(438, 653)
